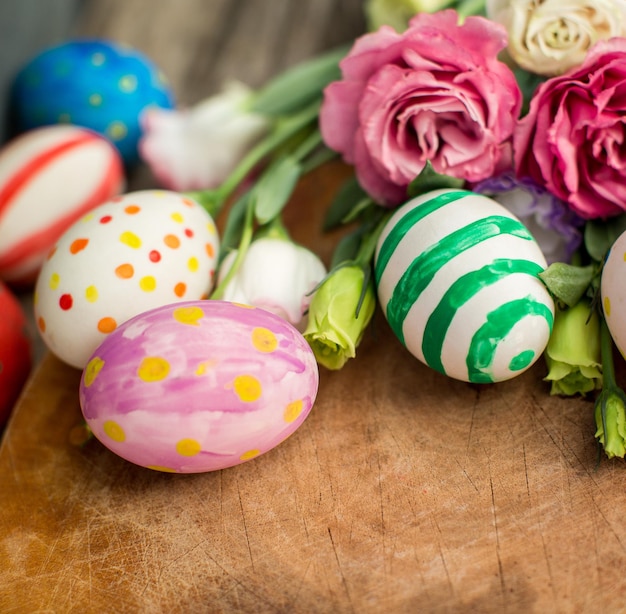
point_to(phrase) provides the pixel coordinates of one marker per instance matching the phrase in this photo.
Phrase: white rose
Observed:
(197, 148)
(275, 275)
(548, 37)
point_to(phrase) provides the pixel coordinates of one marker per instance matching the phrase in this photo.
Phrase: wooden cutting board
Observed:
(403, 491)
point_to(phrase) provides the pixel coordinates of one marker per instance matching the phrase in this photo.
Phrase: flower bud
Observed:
(335, 326)
(611, 423)
(573, 352)
(276, 275)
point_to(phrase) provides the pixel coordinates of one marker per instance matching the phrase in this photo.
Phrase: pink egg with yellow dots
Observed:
(132, 254)
(198, 386)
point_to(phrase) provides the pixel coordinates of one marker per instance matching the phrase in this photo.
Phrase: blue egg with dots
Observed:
(457, 277)
(96, 84)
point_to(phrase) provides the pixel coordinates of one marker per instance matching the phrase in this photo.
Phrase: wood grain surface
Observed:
(403, 491)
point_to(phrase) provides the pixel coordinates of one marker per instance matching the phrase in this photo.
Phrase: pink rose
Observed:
(573, 140)
(436, 92)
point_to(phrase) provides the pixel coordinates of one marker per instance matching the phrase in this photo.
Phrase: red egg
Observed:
(15, 351)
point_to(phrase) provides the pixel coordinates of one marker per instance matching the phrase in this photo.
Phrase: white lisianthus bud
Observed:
(197, 148)
(276, 275)
(548, 37)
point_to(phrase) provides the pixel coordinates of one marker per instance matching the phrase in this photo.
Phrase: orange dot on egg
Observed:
(171, 241)
(125, 271)
(107, 325)
(41, 323)
(188, 202)
(210, 250)
(78, 245)
(51, 253)
(132, 209)
(179, 289)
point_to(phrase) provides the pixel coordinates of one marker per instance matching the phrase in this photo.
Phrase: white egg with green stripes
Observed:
(457, 278)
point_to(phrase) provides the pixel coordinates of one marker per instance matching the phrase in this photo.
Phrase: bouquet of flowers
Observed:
(520, 101)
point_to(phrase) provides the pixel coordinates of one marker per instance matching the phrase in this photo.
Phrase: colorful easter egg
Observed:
(15, 351)
(129, 255)
(198, 386)
(49, 177)
(97, 84)
(613, 292)
(457, 279)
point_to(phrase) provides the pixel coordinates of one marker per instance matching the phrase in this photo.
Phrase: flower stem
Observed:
(244, 243)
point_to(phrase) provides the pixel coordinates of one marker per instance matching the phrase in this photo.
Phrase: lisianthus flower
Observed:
(573, 351)
(197, 148)
(572, 139)
(277, 275)
(339, 313)
(398, 13)
(555, 227)
(435, 93)
(549, 37)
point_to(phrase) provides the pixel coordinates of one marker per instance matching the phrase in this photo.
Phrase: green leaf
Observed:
(273, 190)
(347, 248)
(601, 234)
(349, 198)
(235, 223)
(568, 283)
(429, 180)
(298, 86)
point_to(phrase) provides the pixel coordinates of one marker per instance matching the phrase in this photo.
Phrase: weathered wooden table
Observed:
(403, 491)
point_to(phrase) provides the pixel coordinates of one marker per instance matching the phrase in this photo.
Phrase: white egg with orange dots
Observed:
(198, 386)
(50, 177)
(134, 253)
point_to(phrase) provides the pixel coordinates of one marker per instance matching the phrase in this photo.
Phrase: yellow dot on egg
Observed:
(92, 369)
(88, 217)
(204, 366)
(192, 264)
(54, 281)
(128, 83)
(264, 339)
(188, 315)
(161, 468)
(91, 294)
(153, 369)
(177, 217)
(607, 306)
(293, 410)
(98, 59)
(95, 100)
(249, 454)
(130, 239)
(117, 130)
(188, 447)
(147, 283)
(248, 388)
(243, 305)
(113, 430)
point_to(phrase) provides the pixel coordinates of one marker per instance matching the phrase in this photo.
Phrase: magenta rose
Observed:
(436, 92)
(573, 140)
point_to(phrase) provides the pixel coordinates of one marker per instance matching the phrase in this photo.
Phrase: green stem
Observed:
(214, 200)
(606, 351)
(244, 243)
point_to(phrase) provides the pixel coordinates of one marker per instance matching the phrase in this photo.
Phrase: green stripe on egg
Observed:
(457, 278)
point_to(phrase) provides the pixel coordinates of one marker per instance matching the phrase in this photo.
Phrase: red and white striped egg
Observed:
(129, 255)
(49, 177)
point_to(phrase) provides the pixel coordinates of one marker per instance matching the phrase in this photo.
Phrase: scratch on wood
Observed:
(495, 524)
(526, 470)
(245, 527)
(343, 578)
